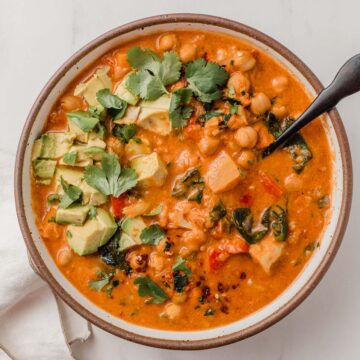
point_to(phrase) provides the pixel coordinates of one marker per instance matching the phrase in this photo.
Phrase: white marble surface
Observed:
(37, 36)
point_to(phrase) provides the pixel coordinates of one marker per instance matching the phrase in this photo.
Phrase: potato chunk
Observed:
(222, 174)
(267, 252)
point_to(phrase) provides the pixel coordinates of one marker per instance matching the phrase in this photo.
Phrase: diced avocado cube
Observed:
(55, 145)
(44, 169)
(123, 93)
(131, 116)
(86, 239)
(97, 142)
(71, 176)
(134, 148)
(162, 103)
(154, 120)
(126, 242)
(36, 150)
(107, 223)
(133, 227)
(100, 80)
(85, 155)
(92, 196)
(78, 133)
(150, 169)
(74, 215)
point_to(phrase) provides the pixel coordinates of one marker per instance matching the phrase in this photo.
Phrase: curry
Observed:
(150, 191)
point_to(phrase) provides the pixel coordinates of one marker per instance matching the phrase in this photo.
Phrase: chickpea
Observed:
(246, 159)
(64, 256)
(156, 261)
(279, 110)
(188, 52)
(167, 42)
(171, 311)
(239, 82)
(71, 103)
(221, 55)
(243, 60)
(279, 83)
(208, 145)
(293, 183)
(246, 137)
(260, 103)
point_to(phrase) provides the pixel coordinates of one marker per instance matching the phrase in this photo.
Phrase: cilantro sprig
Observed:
(179, 111)
(153, 73)
(110, 179)
(147, 287)
(206, 79)
(152, 234)
(116, 106)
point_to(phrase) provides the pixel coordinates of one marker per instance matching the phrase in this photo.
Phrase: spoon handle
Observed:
(345, 83)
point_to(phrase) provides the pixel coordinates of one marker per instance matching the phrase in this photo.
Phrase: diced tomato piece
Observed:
(215, 261)
(270, 186)
(117, 205)
(247, 200)
(193, 131)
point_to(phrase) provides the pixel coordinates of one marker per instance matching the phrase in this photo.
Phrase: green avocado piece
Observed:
(44, 169)
(86, 239)
(123, 93)
(133, 227)
(126, 242)
(150, 169)
(92, 196)
(100, 80)
(55, 145)
(74, 215)
(71, 176)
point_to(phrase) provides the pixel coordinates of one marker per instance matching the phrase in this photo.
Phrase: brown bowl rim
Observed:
(318, 273)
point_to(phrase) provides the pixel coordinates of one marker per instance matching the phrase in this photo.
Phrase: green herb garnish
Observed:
(71, 195)
(101, 281)
(152, 234)
(153, 73)
(179, 111)
(83, 120)
(147, 287)
(116, 106)
(110, 179)
(180, 265)
(206, 79)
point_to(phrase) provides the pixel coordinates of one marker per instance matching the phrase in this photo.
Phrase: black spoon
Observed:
(346, 82)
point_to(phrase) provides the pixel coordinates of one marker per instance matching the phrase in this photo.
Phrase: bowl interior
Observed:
(71, 295)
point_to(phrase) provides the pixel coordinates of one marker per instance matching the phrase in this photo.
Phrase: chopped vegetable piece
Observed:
(206, 79)
(191, 186)
(83, 120)
(124, 132)
(270, 186)
(110, 179)
(152, 235)
(117, 107)
(117, 205)
(179, 111)
(147, 287)
(153, 74)
(72, 194)
(218, 212)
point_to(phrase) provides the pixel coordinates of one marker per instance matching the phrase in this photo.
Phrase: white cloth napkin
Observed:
(30, 325)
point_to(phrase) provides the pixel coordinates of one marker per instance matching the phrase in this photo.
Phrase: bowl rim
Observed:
(315, 277)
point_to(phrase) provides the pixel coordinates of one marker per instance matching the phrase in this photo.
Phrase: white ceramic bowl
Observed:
(281, 306)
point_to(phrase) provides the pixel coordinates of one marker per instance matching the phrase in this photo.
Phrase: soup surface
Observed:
(150, 191)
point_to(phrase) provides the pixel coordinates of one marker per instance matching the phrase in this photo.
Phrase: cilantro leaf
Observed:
(110, 179)
(152, 235)
(70, 158)
(147, 287)
(124, 132)
(101, 281)
(206, 79)
(153, 74)
(83, 120)
(71, 194)
(117, 107)
(180, 265)
(179, 111)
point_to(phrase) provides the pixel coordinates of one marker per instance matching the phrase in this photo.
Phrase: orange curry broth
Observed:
(245, 286)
